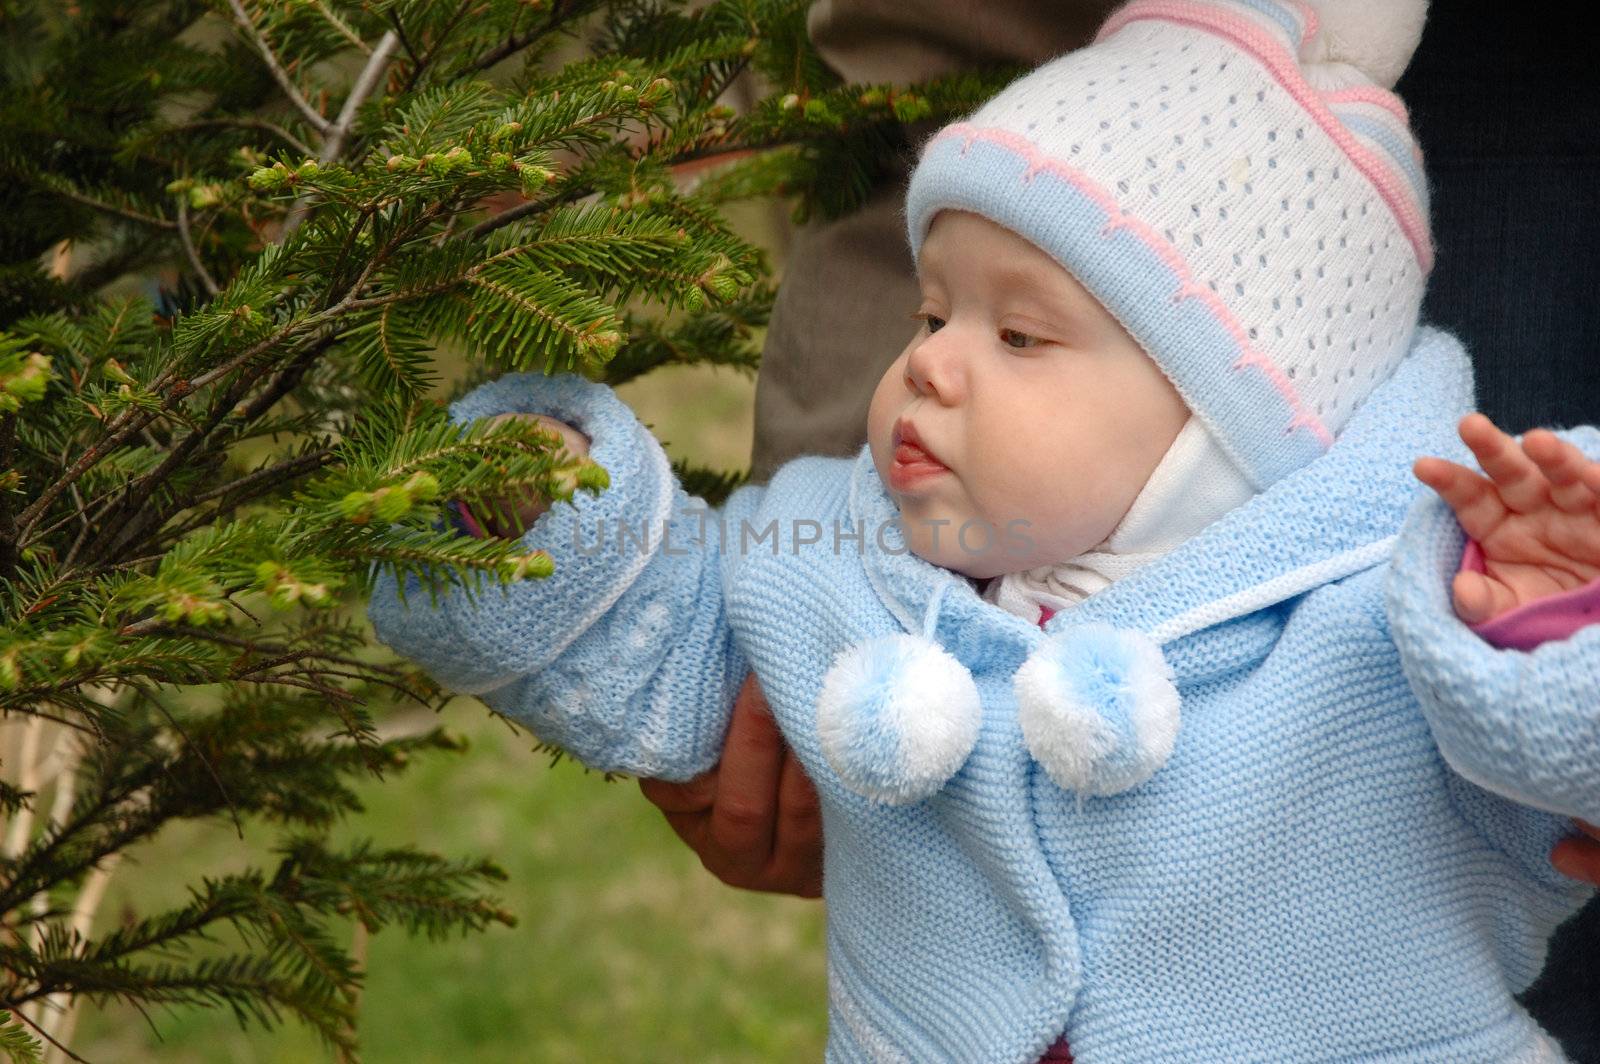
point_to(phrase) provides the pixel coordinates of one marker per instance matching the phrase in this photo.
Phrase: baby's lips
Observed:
(911, 454)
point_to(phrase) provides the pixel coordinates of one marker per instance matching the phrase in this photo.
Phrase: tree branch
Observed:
(189, 632)
(128, 424)
(110, 208)
(514, 44)
(245, 123)
(282, 471)
(319, 123)
(334, 142)
(46, 1035)
(419, 65)
(9, 553)
(189, 249)
(261, 480)
(340, 25)
(333, 136)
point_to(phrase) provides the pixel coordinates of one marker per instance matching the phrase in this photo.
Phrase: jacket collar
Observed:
(1334, 516)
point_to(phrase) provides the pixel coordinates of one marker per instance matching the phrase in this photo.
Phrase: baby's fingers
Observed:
(1574, 480)
(1522, 486)
(1477, 598)
(1476, 504)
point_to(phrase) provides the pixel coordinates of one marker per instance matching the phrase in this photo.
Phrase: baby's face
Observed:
(1042, 416)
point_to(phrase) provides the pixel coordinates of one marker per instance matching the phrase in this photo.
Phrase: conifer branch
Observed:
(9, 556)
(128, 425)
(18, 1013)
(189, 248)
(140, 540)
(334, 144)
(242, 122)
(419, 65)
(400, 32)
(281, 76)
(63, 189)
(515, 43)
(339, 24)
(253, 486)
(333, 136)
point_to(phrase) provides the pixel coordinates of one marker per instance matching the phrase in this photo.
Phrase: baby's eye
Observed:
(1017, 339)
(933, 323)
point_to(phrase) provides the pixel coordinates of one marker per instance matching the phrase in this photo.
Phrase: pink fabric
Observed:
(1373, 95)
(1552, 617)
(1058, 1052)
(466, 521)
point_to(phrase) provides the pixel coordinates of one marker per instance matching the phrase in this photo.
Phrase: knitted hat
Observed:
(1233, 180)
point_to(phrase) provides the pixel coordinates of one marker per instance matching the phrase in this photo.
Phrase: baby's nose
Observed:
(936, 368)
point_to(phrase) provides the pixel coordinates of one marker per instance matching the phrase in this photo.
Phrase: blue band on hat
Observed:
(1394, 147)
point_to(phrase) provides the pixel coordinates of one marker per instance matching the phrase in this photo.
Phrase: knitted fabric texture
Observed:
(1265, 241)
(1346, 855)
(612, 678)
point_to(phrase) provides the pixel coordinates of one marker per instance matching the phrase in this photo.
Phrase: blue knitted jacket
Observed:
(1344, 858)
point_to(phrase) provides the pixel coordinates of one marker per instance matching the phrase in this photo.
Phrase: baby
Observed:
(1153, 707)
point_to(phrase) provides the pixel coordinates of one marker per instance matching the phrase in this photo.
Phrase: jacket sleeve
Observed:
(1522, 724)
(624, 656)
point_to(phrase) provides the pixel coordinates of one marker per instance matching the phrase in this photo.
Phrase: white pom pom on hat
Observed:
(1362, 42)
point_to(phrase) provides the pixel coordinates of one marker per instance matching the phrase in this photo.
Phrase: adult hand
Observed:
(753, 819)
(1578, 855)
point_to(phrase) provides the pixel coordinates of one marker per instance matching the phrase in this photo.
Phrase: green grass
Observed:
(625, 947)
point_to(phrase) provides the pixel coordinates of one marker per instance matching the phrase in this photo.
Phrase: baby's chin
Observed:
(974, 549)
(979, 548)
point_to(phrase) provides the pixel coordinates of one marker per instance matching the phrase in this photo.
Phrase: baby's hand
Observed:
(1536, 516)
(529, 506)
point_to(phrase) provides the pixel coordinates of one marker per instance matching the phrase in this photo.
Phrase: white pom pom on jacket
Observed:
(1266, 798)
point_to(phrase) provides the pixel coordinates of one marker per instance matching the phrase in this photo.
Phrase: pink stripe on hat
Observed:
(1392, 187)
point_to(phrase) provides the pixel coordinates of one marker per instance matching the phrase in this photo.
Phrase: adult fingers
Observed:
(691, 796)
(797, 843)
(1578, 856)
(744, 815)
(687, 808)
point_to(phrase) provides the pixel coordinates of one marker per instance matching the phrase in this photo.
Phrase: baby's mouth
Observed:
(912, 465)
(909, 454)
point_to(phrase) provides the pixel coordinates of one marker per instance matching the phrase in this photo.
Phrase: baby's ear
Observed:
(1362, 41)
